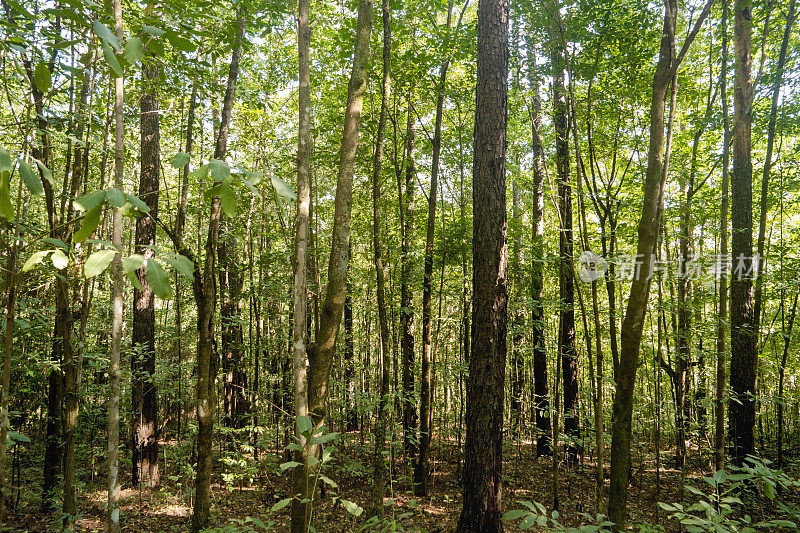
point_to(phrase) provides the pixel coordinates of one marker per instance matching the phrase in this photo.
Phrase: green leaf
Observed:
(304, 425)
(41, 77)
(179, 42)
(5, 161)
(328, 481)
(182, 264)
(180, 160)
(34, 260)
(111, 60)
(153, 31)
(132, 263)
(281, 504)
(134, 279)
(134, 50)
(289, 464)
(137, 203)
(102, 31)
(115, 197)
(515, 514)
(228, 198)
(59, 259)
(220, 170)
(158, 279)
(32, 182)
(6, 209)
(98, 262)
(283, 189)
(90, 222)
(45, 172)
(90, 200)
(352, 508)
(312, 461)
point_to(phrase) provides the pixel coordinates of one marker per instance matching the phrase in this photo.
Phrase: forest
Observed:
(422, 265)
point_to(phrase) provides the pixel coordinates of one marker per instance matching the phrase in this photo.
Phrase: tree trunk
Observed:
(787, 339)
(482, 502)
(566, 284)
(351, 414)
(144, 466)
(118, 294)
(648, 231)
(205, 293)
(541, 404)
(744, 356)
(379, 461)
(407, 294)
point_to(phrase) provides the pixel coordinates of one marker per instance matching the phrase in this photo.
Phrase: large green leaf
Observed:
(180, 160)
(132, 262)
(59, 259)
(35, 259)
(98, 262)
(102, 31)
(32, 182)
(111, 59)
(134, 50)
(6, 209)
(282, 188)
(220, 170)
(158, 279)
(137, 203)
(5, 161)
(45, 172)
(116, 198)
(227, 197)
(41, 77)
(90, 222)
(182, 264)
(90, 200)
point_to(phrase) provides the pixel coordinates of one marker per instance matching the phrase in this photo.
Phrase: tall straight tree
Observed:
(118, 297)
(144, 467)
(322, 351)
(205, 293)
(566, 281)
(483, 465)
(744, 356)
(379, 461)
(648, 231)
(541, 403)
(301, 241)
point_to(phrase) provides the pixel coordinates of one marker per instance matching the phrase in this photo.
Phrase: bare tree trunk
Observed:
(118, 296)
(379, 461)
(482, 502)
(744, 356)
(144, 467)
(205, 293)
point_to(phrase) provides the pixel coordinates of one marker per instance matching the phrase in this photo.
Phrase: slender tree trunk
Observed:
(118, 295)
(407, 294)
(566, 284)
(205, 292)
(787, 339)
(648, 231)
(744, 356)
(722, 320)
(351, 414)
(379, 461)
(541, 403)
(482, 502)
(322, 352)
(144, 467)
(301, 241)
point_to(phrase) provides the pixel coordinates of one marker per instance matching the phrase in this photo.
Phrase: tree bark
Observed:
(482, 501)
(144, 423)
(744, 356)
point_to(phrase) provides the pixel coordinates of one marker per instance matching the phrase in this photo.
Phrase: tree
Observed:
(482, 501)
(744, 356)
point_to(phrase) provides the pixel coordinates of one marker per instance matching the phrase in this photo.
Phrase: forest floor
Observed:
(168, 508)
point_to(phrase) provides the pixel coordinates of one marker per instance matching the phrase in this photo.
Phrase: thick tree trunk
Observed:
(744, 356)
(482, 502)
(379, 461)
(205, 293)
(144, 445)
